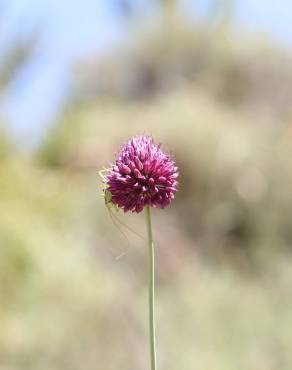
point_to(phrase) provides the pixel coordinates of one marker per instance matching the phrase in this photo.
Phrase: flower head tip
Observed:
(142, 175)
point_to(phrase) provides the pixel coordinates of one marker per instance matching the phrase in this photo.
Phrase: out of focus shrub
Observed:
(235, 176)
(251, 74)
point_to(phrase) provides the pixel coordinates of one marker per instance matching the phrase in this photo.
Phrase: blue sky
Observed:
(68, 30)
(72, 29)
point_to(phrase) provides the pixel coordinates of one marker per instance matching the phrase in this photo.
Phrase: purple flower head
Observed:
(142, 175)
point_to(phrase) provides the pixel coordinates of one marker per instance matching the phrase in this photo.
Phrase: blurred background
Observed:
(212, 81)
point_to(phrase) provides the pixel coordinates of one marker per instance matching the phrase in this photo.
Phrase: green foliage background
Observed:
(73, 289)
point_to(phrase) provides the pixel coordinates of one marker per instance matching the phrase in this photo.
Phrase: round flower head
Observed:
(142, 175)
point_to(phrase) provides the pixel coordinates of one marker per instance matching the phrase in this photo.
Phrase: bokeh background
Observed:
(212, 80)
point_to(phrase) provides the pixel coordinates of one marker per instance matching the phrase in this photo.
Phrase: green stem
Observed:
(151, 279)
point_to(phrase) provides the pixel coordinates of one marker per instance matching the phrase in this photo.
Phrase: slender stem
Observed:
(151, 277)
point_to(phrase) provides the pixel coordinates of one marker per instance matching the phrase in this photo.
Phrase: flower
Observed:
(142, 175)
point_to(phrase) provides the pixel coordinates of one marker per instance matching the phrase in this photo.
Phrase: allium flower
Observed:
(142, 175)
